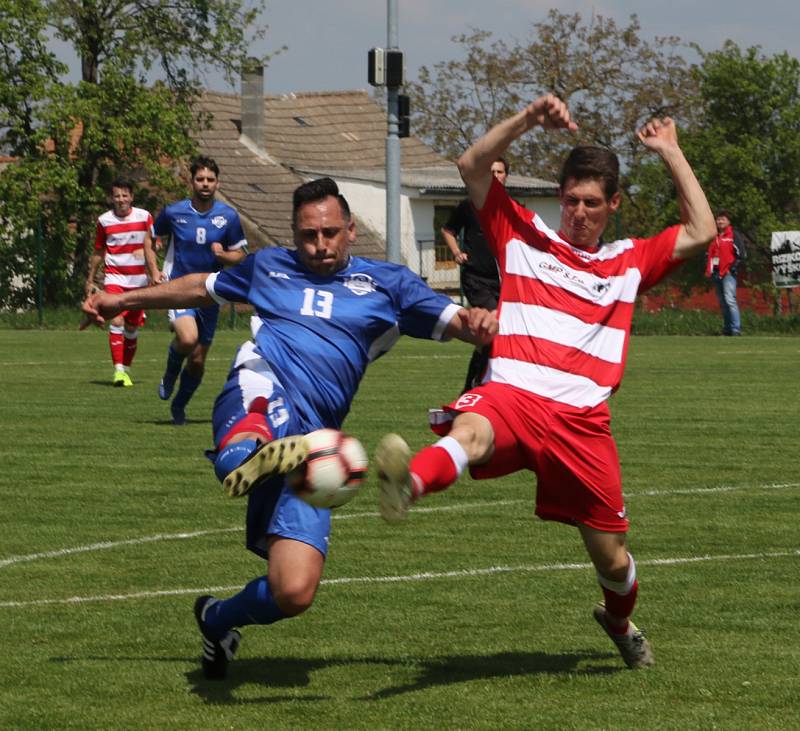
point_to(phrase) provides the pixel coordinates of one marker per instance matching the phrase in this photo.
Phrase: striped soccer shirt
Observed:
(565, 313)
(122, 239)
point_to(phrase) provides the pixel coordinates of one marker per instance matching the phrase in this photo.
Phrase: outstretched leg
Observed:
(403, 479)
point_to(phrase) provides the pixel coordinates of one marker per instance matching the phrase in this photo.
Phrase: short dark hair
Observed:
(722, 212)
(126, 183)
(317, 190)
(590, 162)
(506, 166)
(204, 162)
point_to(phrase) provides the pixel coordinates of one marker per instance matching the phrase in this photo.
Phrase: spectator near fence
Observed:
(725, 256)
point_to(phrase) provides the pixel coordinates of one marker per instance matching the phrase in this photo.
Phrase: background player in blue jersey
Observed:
(202, 235)
(321, 317)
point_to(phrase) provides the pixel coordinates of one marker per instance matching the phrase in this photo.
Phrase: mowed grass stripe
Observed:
(186, 535)
(423, 576)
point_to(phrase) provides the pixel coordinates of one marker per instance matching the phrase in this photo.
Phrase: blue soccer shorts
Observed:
(205, 317)
(272, 508)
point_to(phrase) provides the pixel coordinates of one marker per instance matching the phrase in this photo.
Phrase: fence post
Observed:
(39, 272)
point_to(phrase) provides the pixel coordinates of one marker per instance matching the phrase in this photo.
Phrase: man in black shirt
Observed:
(480, 281)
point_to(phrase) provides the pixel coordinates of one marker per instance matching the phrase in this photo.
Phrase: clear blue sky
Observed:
(328, 39)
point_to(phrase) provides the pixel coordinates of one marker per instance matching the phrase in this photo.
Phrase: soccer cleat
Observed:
(127, 382)
(391, 460)
(165, 388)
(216, 653)
(119, 378)
(178, 415)
(278, 457)
(633, 646)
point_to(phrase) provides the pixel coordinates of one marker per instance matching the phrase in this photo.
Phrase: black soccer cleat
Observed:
(216, 653)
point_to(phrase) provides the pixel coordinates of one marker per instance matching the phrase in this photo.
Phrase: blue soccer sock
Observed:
(252, 605)
(186, 389)
(174, 365)
(232, 455)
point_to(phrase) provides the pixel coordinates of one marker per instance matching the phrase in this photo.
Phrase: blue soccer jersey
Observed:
(319, 333)
(191, 234)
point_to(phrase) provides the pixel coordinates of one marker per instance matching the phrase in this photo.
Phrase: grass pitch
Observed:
(473, 614)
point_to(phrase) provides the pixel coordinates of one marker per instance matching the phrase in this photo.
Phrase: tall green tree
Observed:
(744, 144)
(612, 79)
(116, 120)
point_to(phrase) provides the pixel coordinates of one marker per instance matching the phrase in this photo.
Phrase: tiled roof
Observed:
(309, 132)
(438, 180)
(341, 134)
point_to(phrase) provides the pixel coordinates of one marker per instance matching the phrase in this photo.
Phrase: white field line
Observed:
(105, 545)
(405, 578)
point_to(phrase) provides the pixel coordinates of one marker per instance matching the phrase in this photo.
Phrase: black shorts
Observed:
(480, 291)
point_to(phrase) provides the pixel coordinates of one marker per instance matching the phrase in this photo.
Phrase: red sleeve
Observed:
(654, 257)
(503, 219)
(100, 238)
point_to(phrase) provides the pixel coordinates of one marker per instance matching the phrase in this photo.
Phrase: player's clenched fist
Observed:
(550, 112)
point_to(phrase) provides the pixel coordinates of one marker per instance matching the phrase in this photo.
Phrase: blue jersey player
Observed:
(202, 235)
(321, 316)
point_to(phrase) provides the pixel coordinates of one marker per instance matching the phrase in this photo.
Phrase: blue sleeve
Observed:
(233, 284)
(163, 225)
(419, 308)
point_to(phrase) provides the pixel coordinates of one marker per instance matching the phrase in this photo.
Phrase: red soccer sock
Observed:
(116, 345)
(254, 422)
(432, 470)
(619, 606)
(129, 348)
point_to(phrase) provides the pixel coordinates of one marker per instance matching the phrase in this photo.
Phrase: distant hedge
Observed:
(702, 322)
(68, 318)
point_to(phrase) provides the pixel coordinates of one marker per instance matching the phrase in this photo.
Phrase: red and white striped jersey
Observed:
(565, 313)
(122, 239)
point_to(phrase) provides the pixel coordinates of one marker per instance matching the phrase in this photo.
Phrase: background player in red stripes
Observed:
(565, 311)
(119, 246)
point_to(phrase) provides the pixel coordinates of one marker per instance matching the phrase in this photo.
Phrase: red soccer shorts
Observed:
(570, 449)
(133, 318)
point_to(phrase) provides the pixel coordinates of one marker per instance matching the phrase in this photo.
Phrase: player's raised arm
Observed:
(475, 165)
(697, 220)
(188, 291)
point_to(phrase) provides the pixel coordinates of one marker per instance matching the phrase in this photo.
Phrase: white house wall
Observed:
(368, 202)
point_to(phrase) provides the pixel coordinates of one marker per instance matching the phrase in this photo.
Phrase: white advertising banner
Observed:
(785, 250)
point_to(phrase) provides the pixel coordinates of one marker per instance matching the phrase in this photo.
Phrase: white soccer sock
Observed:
(456, 452)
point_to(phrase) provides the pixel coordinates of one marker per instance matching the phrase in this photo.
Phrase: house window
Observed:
(444, 257)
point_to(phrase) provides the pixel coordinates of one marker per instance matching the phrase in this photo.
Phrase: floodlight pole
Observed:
(392, 148)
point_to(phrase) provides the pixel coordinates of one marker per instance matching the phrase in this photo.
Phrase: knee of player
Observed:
(475, 435)
(294, 595)
(612, 565)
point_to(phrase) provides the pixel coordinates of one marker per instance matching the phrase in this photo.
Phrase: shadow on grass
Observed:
(292, 675)
(168, 422)
(282, 673)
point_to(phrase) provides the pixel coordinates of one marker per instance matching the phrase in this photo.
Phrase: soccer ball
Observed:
(332, 472)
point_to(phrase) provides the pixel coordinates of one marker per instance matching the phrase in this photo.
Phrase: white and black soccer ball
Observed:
(333, 471)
